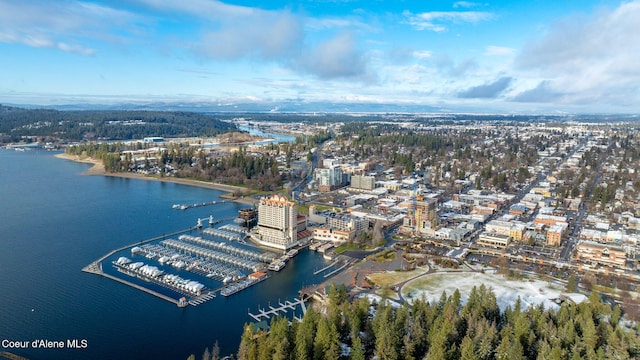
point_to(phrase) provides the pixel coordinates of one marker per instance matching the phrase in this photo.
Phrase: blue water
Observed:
(277, 138)
(53, 222)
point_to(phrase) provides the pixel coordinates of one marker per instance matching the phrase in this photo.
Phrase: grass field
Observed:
(391, 278)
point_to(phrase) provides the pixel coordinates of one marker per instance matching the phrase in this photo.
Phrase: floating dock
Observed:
(240, 285)
(185, 206)
(96, 266)
(265, 314)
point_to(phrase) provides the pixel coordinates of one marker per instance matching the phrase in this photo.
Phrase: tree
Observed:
(206, 355)
(215, 352)
(357, 349)
(571, 283)
(467, 349)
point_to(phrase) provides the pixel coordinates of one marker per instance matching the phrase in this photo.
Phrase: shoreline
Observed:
(98, 169)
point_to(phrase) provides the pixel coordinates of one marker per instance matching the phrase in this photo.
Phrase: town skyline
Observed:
(444, 56)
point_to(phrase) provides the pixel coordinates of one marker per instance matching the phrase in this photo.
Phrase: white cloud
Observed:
(78, 49)
(422, 54)
(336, 58)
(464, 4)
(592, 59)
(437, 20)
(64, 25)
(498, 51)
(270, 36)
(208, 9)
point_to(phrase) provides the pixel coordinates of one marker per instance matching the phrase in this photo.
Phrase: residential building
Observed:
(329, 179)
(363, 182)
(278, 223)
(555, 233)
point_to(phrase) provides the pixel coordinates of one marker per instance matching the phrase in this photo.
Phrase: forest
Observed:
(17, 124)
(447, 329)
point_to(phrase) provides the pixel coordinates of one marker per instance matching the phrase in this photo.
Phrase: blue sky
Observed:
(510, 56)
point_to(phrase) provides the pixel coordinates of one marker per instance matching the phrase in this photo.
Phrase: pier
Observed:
(185, 206)
(142, 288)
(325, 268)
(282, 308)
(346, 263)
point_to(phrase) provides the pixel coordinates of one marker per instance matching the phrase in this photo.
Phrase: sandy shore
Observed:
(98, 169)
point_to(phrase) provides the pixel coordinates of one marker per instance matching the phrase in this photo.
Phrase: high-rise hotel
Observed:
(277, 223)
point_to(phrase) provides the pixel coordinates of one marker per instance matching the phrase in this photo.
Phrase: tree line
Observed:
(17, 124)
(445, 329)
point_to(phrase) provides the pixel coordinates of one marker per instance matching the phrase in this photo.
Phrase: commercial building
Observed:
(333, 235)
(493, 240)
(601, 254)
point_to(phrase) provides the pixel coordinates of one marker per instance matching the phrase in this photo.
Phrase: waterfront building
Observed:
(339, 221)
(333, 235)
(278, 223)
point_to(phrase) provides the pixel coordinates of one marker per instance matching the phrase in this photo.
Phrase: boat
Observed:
(291, 253)
(277, 265)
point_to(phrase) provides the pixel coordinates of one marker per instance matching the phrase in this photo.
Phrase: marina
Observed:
(263, 257)
(210, 259)
(212, 255)
(229, 235)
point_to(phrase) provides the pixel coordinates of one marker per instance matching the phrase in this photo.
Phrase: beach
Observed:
(98, 169)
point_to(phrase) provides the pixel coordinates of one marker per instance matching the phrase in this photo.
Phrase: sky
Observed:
(512, 56)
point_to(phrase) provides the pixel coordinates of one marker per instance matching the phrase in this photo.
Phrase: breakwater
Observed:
(96, 266)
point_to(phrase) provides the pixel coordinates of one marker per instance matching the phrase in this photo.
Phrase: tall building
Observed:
(363, 182)
(277, 223)
(329, 179)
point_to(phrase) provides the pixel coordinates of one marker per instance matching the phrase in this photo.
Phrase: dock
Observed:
(142, 288)
(240, 285)
(185, 206)
(282, 308)
(346, 263)
(325, 268)
(96, 266)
